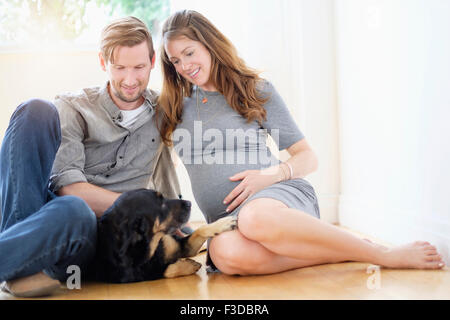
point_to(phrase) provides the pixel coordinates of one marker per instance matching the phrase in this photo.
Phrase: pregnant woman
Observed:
(218, 113)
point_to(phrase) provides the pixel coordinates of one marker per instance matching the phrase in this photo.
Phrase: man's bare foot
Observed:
(416, 255)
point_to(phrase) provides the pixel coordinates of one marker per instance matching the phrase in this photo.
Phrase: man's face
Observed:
(129, 74)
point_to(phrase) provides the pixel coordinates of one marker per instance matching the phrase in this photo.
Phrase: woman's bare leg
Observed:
(232, 253)
(291, 233)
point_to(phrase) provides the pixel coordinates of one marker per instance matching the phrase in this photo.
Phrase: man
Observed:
(64, 163)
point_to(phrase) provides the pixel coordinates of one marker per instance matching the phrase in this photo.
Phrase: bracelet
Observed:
(290, 170)
(284, 172)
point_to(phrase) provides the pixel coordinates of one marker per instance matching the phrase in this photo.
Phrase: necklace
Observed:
(204, 101)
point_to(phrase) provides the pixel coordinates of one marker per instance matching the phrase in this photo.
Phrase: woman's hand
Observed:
(252, 182)
(302, 162)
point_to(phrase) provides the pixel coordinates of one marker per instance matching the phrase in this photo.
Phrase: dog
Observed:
(135, 240)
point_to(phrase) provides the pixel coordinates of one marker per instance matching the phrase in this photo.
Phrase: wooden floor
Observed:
(331, 281)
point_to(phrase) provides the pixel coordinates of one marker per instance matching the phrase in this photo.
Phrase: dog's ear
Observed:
(135, 242)
(156, 225)
(140, 227)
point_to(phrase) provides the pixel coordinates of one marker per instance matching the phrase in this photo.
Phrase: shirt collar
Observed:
(114, 111)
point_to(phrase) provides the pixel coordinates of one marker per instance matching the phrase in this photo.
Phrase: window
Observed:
(28, 24)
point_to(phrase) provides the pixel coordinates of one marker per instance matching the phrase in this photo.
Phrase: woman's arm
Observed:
(303, 161)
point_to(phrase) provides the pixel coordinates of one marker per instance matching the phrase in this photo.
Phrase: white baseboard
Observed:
(328, 205)
(395, 227)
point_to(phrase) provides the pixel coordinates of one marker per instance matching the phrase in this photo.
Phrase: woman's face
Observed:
(192, 61)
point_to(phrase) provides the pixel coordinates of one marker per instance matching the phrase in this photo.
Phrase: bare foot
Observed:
(416, 255)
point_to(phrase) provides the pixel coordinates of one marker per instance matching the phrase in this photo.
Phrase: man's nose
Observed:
(130, 78)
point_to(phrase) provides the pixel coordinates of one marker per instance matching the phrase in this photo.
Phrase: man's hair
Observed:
(128, 32)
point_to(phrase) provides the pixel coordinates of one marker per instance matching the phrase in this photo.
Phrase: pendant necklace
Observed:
(204, 101)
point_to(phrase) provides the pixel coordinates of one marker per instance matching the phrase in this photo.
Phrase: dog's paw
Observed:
(183, 267)
(225, 224)
(213, 229)
(194, 265)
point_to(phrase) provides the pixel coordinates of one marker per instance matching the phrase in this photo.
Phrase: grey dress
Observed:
(215, 142)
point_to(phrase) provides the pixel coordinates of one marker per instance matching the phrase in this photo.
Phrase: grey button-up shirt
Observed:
(95, 148)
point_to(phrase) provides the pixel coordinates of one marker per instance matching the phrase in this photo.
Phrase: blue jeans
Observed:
(39, 231)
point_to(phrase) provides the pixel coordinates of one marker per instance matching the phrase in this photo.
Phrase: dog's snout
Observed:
(187, 204)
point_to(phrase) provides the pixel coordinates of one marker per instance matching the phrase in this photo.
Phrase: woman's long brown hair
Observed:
(229, 74)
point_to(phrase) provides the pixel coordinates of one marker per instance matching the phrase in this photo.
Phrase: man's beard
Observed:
(119, 95)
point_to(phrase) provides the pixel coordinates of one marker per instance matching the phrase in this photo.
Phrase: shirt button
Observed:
(153, 140)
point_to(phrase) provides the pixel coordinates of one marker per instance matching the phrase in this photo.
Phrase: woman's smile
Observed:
(194, 74)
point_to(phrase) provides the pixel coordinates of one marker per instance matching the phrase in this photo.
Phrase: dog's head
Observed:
(163, 215)
(125, 230)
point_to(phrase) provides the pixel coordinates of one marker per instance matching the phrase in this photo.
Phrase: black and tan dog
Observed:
(135, 241)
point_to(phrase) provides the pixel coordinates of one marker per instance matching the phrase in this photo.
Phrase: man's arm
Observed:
(97, 198)
(68, 169)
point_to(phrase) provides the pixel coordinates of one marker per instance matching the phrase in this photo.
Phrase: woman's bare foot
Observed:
(416, 255)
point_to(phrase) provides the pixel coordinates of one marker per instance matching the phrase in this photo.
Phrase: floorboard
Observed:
(349, 280)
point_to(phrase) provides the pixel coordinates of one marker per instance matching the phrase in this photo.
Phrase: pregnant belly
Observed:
(211, 184)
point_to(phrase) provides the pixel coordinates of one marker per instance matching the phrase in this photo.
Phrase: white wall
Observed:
(25, 75)
(393, 80)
